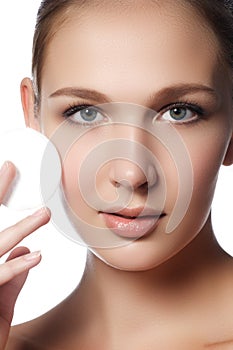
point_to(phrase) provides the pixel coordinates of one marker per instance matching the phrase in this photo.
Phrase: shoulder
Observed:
(21, 337)
(32, 335)
(49, 331)
(220, 311)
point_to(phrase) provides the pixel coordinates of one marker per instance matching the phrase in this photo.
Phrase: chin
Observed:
(152, 250)
(134, 257)
(145, 254)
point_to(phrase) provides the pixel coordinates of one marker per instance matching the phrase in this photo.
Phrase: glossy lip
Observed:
(133, 212)
(128, 222)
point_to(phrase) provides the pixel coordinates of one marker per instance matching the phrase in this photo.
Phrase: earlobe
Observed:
(28, 104)
(228, 160)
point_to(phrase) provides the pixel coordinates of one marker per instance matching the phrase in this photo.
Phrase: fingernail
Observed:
(32, 256)
(4, 167)
(39, 212)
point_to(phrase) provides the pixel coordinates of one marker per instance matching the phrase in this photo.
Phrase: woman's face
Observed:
(152, 59)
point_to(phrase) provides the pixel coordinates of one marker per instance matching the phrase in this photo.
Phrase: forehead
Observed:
(135, 46)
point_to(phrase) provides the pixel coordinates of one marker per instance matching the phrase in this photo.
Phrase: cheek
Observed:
(206, 157)
(72, 164)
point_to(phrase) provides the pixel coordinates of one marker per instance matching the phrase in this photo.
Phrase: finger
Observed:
(13, 275)
(7, 174)
(14, 234)
(13, 268)
(15, 285)
(17, 252)
(15, 271)
(10, 290)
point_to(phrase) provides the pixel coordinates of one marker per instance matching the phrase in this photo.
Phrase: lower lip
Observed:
(130, 228)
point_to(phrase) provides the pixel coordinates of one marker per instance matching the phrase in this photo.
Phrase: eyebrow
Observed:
(178, 90)
(81, 93)
(171, 92)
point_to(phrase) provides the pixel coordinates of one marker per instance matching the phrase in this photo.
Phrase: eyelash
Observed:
(193, 107)
(75, 108)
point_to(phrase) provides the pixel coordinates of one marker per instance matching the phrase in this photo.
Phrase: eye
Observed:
(180, 113)
(177, 113)
(85, 115)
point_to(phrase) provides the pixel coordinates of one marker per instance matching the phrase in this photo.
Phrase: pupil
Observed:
(88, 114)
(178, 113)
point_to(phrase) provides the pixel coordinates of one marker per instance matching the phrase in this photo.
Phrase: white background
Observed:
(63, 261)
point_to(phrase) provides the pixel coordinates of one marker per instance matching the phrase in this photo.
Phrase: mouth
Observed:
(132, 223)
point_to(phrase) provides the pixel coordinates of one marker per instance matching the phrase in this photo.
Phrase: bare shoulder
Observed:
(221, 308)
(22, 337)
(50, 331)
(37, 334)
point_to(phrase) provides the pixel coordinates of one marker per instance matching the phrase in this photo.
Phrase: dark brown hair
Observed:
(53, 14)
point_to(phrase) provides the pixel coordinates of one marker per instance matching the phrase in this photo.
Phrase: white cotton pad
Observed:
(38, 164)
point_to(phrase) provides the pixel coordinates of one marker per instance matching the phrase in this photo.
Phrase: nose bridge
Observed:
(134, 165)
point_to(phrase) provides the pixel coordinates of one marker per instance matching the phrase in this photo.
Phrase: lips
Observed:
(132, 222)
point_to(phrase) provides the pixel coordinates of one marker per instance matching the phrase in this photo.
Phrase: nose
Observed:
(126, 173)
(133, 164)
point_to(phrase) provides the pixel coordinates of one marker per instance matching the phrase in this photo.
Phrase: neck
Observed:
(118, 295)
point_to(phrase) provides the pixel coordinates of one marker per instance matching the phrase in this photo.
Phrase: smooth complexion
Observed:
(140, 72)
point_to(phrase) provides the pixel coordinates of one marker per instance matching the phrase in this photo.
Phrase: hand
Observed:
(14, 271)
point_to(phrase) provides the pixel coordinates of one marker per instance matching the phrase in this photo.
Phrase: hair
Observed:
(53, 14)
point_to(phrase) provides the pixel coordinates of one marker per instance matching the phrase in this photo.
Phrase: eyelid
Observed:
(194, 107)
(186, 105)
(77, 107)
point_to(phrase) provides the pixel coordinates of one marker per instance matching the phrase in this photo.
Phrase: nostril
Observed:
(144, 186)
(121, 183)
(151, 175)
(128, 174)
(116, 184)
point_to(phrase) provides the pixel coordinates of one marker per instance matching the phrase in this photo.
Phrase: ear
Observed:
(28, 104)
(228, 160)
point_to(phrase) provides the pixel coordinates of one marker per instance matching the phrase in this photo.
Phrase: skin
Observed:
(161, 284)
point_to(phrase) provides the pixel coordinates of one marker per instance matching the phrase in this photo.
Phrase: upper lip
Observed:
(134, 212)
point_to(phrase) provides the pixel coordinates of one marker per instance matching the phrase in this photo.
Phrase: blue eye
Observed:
(181, 113)
(84, 115)
(177, 114)
(88, 114)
